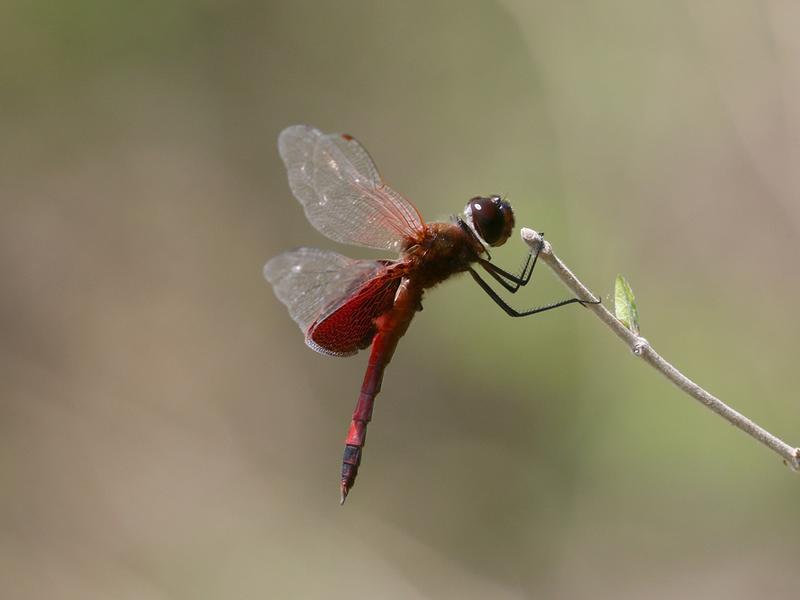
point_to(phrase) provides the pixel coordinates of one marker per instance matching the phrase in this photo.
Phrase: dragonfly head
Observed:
(491, 218)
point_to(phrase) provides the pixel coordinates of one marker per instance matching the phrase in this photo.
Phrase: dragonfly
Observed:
(344, 305)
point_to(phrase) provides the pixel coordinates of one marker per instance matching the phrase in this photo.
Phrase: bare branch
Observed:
(642, 348)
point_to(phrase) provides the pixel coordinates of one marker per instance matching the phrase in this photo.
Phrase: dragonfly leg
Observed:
(511, 282)
(515, 313)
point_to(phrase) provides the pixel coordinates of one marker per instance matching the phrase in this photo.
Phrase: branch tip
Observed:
(529, 236)
(642, 348)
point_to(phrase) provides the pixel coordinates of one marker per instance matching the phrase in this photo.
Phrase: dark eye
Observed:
(491, 217)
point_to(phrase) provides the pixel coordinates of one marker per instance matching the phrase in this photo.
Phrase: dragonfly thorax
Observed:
(446, 249)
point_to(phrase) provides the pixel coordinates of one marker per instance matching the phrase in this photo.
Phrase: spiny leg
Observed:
(510, 282)
(515, 313)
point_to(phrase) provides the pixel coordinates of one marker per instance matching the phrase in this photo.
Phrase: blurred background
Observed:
(164, 431)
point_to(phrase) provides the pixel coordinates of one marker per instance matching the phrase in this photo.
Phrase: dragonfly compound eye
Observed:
(491, 218)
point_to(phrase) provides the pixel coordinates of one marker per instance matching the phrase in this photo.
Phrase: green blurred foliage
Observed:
(166, 434)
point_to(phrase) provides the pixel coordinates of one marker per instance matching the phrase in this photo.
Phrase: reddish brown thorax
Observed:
(445, 249)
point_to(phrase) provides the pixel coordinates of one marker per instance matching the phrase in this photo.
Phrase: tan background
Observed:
(164, 432)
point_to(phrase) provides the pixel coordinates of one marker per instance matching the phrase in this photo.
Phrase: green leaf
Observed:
(625, 305)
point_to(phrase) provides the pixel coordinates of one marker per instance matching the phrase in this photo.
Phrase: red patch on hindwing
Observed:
(351, 327)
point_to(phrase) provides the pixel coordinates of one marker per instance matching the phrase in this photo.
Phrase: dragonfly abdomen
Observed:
(391, 327)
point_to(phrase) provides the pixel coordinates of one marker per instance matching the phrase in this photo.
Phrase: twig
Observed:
(642, 348)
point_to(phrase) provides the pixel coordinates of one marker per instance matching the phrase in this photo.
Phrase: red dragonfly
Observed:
(344, 305)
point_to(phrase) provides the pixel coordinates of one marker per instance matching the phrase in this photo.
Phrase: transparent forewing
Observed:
(342, 193)
(312, 283)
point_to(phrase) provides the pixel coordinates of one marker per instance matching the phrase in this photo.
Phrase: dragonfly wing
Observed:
(317, 286)
(342, 192)
(350, 326)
